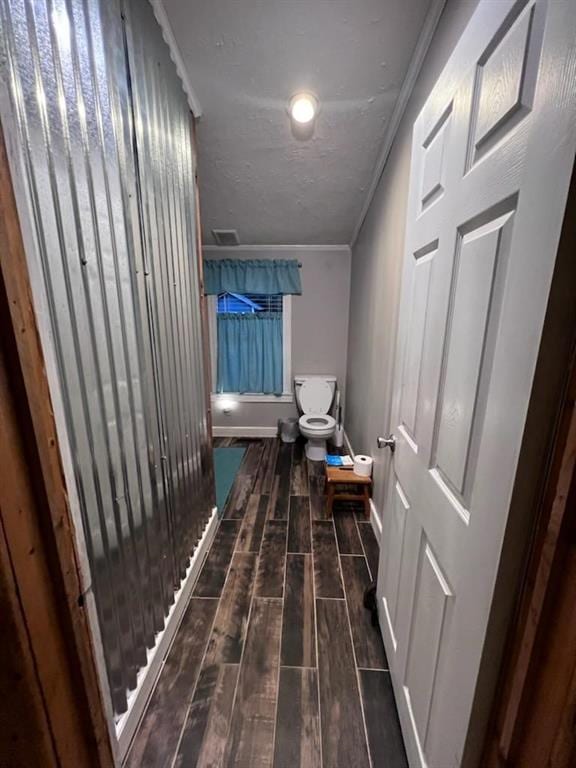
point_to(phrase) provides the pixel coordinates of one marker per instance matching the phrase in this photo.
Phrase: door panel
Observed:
(466, 348)
(431, 601)
(506, 77)
(434, 161)
(390, 573)
(419, 305)
(491, 160)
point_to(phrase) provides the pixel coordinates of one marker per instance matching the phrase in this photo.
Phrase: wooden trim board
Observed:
(37, 521)
(535, 704)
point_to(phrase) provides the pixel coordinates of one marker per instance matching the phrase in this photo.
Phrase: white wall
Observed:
(319, 322)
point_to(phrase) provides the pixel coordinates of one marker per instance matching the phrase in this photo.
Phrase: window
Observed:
(249, 302)
(254, 364)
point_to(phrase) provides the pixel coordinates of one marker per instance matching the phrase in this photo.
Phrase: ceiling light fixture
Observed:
(303, 108)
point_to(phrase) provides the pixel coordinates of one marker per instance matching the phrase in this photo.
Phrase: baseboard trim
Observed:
(376, 521)
(244, 431)
(127, 725)
(375, 517)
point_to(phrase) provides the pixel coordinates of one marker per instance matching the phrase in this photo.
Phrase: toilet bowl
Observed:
(314, 395)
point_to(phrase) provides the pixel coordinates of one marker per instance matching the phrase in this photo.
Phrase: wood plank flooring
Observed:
(276, 663)
(298, 720)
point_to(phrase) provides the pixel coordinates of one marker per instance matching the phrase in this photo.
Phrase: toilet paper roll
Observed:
(363, 465)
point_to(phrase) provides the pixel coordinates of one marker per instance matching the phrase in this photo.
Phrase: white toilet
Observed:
(314, 396)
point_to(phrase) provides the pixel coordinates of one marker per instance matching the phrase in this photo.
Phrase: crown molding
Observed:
(424, 40)
(341, 247)
(176, 56)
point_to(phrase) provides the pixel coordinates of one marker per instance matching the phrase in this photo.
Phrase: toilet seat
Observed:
(318, 424)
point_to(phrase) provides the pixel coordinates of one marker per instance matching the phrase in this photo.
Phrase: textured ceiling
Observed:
(245, 58)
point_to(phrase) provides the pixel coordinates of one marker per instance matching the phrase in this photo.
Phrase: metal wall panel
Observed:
(104, 131)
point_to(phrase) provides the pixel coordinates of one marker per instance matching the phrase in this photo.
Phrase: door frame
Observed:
(531, 722)
(40, 565)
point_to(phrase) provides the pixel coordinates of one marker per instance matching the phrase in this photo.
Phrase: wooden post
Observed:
(534, 710)
(38, 557)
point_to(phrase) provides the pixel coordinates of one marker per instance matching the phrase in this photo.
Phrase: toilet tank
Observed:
(301, 378)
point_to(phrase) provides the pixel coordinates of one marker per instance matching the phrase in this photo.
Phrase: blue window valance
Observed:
(266, 276)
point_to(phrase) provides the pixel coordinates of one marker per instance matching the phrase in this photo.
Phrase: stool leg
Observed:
(367, 502)
(329, 500)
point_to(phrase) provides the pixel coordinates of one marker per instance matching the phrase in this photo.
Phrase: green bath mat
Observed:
(226, 464)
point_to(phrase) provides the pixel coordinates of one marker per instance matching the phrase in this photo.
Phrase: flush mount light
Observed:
(303, 108)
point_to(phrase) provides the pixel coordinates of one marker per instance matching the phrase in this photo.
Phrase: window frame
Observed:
(287, 395)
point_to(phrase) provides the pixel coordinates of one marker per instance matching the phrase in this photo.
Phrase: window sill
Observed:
(286, 397)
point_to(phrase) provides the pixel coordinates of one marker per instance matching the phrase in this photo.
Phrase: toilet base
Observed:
(316, 449)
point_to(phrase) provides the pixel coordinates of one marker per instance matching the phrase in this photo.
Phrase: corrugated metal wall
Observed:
(106, 157)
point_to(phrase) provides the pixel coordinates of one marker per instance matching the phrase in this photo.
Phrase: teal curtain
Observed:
(250, 353)
(270, 276)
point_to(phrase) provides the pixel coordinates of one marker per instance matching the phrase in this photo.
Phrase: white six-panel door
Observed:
(491, 161)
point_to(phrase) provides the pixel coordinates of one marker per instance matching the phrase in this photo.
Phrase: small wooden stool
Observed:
(336, 477)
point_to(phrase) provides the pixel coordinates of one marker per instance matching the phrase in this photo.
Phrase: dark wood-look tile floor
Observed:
(276, 663)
